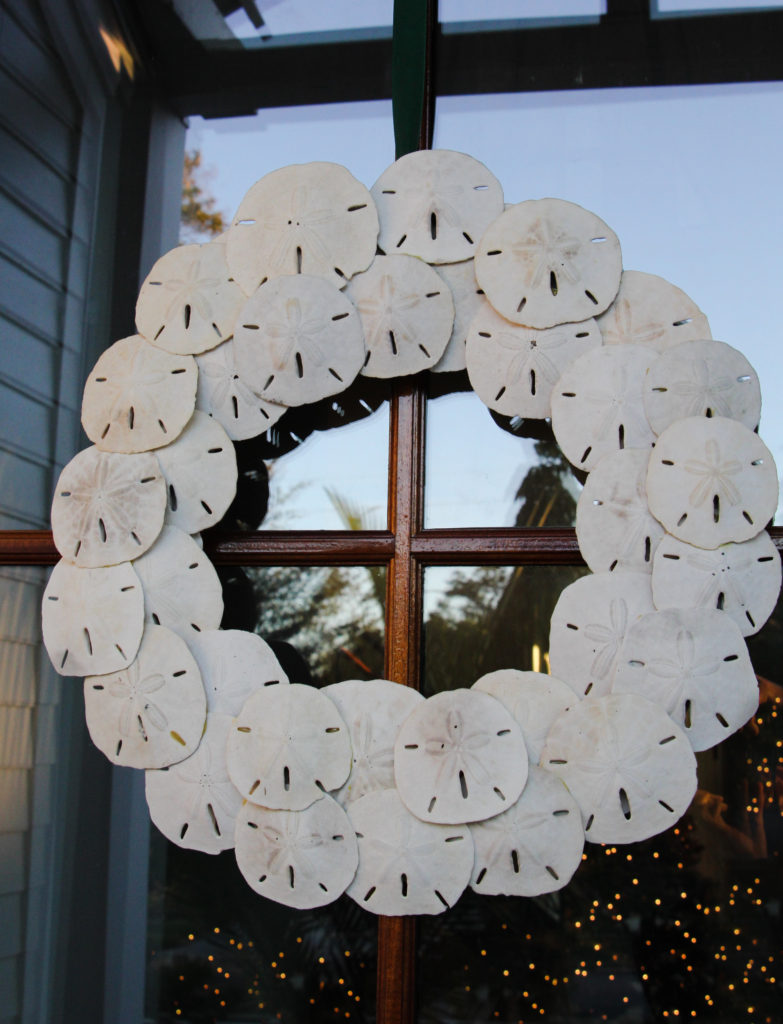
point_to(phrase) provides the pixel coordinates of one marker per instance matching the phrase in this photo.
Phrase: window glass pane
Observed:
(265, 21)
(686, 176)
(304, 473)
(481, 618)
(36, 714)
(685, 925)
(320, 467)
(236, 151)
(302, 16)
(483, 469)
(710, 6)
(519, 10)
(332, 616)
(218, 951)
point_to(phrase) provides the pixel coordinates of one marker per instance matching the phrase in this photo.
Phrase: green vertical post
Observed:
(413, 97)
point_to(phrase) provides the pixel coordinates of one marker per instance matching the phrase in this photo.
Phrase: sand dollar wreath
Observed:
(365, 786)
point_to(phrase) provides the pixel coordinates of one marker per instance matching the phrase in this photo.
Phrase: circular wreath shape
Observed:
(301, 313)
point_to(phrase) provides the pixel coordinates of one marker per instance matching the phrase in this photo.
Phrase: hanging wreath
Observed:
(365, 786)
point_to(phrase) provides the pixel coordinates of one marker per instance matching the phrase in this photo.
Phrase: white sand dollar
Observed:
(298, 339)
(406, 866)
(93, 619)
(614, 526)
(181, 588)
(513, 368)
(406, 312)
(234, 664)
(742, 580)
(224, 395)
(436, 204)
(373, 710)
(459, 757)
(302, 859)
(313, 218)
(532, 848)
(289, 745)
(107, 507)
(152, 713)
(200, 468)
(597, 404)
(468, 298)
(589, 623)
(189, 301)
(534, 699)
(628, 766)
(711, 481)
(138, 397)
(695, 664)
(546, 261)
(193, 802)
(648, 310)
(701, 378)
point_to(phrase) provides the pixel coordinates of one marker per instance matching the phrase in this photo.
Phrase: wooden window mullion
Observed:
(404, 583)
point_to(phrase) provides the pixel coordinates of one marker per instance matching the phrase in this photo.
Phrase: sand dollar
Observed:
(92, 619)
(468, 298)
(138, 397)
(406, 312)
(589, 623)
(223, 394)
(298, 340)
(289, 745)
(107, 507)
(234, 665)
(532, 848)
(182, 591)
(534, 699)
(614, 526)
(189, 301)
(314, 219)
(200, 468)
(694, 663)
(193, 802)
(546, 261)
(628, 766)
(742, 580)
(513, 368)
(301, 858)
(648, 310)
(373, 710)
(436, 204)
(701, 378)
(711, 480)
(459, 757)
(406, 866)
(597, 404)
(152, 713)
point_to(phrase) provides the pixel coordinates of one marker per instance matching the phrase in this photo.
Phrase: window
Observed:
(457, 561)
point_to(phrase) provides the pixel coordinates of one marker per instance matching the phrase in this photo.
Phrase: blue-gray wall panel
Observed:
(27, 299)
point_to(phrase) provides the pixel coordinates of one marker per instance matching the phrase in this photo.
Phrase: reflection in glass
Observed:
(37, 708)
(217, 951)
(331, 615)
(478, 619)
(684, 926)
(680, 227)
(320, 467)
(667, 7)
(479, 475)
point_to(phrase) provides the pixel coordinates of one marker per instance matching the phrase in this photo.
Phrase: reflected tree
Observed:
(494, 617)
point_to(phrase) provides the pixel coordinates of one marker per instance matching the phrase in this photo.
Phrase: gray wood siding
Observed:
(49, 157)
